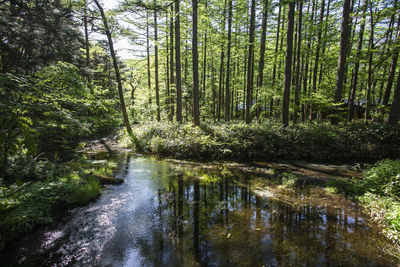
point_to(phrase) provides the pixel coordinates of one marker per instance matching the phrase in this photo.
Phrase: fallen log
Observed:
(107, 179)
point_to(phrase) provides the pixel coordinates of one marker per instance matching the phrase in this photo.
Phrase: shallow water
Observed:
(170, 215)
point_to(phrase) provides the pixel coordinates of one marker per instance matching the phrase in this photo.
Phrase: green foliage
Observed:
(386, 211)
(49, 112)
(313, 142)
(383, 179)
(379, 191)
(24, 206)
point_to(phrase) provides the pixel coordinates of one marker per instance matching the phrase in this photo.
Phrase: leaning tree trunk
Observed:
(116, 68)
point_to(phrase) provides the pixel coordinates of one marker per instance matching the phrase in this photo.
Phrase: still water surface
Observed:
(166, 215)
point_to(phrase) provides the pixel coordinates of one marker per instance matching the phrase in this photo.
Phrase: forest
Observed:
(296, 97)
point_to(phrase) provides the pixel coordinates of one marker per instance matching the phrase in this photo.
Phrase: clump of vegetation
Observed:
(42, 190)
(269, 141)
(381, 195)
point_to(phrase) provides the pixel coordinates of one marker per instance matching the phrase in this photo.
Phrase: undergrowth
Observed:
(38, 190)
(269, 141)
(381, 195)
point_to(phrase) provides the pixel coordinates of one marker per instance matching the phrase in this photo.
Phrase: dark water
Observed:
(160, 217)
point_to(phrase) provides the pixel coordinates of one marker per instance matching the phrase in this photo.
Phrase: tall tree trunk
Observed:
(281, 43)
(307, 65)
(167, 100)
(172, 64)
(221, 69)
(203, 98)
(276, 46)
(388, 37)
(317, 49)
(370, 53)
(87, 44)
(178, 63)
(288, 66)
(250, 62)
(393, 66)
(244, 87)
(148, 56)
(262, 50)
(350, 109)
(116, 68)
(324, 41)
(156, 65)
(228, 62)
(195, 60)
(344, 47)
(213, 91)
(298, 61)
(394, 113)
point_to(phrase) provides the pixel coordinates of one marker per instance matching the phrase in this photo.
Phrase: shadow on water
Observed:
(168, 216)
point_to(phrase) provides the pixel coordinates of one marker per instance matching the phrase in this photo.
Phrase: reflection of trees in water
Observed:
(224, 223)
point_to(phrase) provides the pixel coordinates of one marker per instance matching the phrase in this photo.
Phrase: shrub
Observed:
(382, 178)
(239, 141)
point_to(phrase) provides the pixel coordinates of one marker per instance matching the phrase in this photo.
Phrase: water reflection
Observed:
(168, 216)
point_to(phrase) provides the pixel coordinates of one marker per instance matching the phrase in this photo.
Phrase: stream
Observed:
(167, 214)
